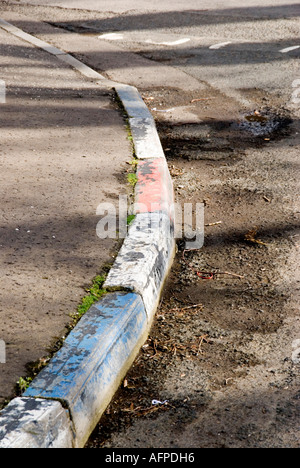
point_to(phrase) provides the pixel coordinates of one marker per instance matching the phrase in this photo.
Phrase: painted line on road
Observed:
(220, 45)
(111, 36)
(289, 49)
(119, 37)
(169, 43)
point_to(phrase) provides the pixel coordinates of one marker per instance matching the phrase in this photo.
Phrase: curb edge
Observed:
(64, 419)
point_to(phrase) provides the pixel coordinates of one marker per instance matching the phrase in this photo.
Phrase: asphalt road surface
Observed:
(223, 83)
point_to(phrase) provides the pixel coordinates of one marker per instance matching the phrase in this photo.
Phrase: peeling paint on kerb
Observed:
(154, 189)
(152, 236)
(88, 369)
(35, 423)
(146, 141)
(84, 375)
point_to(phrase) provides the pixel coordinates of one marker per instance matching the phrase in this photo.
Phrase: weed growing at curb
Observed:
(23, 383)
(95, 292)
(132, 179)
(130, 219)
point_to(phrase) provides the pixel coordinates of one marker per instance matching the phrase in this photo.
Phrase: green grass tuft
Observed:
(95, 292)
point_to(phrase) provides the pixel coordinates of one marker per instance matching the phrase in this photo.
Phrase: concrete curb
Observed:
(66, 400)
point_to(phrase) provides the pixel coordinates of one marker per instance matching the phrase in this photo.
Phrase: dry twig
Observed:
(207, 275)
(202, 338)
(214, 224)
(251, 237)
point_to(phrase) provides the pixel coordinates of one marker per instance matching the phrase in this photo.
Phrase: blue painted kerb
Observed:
(82, 374)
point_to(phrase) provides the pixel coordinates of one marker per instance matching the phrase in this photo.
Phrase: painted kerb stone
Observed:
(88, 369)
(35, 423)
(68, 397)
(145, 258)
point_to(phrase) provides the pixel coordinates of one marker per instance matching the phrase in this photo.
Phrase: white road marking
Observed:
(171, 43)
(112, 36)
(220, 45)
(163, 110)
(289, 49)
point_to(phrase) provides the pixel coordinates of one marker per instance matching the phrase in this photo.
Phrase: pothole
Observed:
(264, 123)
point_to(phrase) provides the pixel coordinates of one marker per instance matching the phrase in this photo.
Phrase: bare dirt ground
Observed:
(222, 356)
